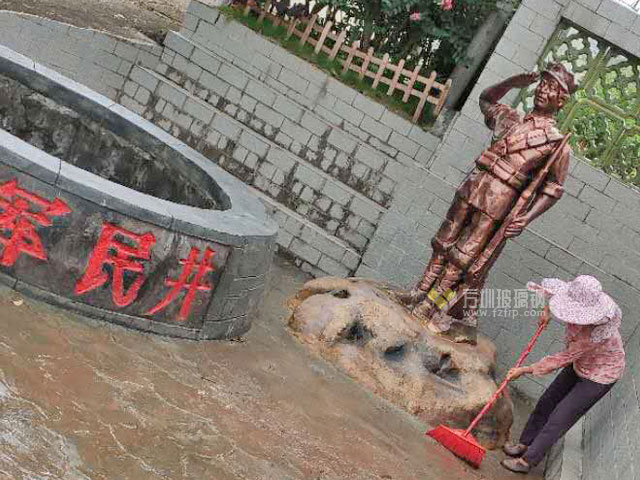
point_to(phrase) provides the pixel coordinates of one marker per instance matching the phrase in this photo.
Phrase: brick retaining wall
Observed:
(326, 159)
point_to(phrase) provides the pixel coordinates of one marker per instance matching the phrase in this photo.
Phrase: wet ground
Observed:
(81, 399)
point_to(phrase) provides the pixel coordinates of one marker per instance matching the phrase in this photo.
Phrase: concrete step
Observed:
(211, 103)
(339, 104)
(306, 124)
(324, 219)
(317, 252)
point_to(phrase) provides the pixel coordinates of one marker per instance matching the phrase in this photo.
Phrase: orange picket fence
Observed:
(365, 64)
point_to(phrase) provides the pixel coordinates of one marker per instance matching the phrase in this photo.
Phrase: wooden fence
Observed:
(365, 64)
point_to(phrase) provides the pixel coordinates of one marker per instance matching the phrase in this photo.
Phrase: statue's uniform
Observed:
(521, 146)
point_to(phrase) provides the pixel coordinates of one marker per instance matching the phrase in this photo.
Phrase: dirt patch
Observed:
(128, 18)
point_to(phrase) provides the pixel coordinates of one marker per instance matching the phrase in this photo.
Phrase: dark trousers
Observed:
(567, 399)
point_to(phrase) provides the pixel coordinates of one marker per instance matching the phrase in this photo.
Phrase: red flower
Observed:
(446, 4)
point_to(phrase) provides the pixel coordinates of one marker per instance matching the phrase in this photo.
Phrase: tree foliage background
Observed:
(439, 38)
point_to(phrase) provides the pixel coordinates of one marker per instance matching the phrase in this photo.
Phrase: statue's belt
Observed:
(501, 169)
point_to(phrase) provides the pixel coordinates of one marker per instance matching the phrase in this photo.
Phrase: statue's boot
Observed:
(426, 311)
(461, 333)
(457, 332)
(409, 297)
(418, 294)
(432, 272)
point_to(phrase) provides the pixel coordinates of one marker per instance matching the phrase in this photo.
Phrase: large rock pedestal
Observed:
(355, 324)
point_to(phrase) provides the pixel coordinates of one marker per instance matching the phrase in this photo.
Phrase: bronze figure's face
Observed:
(550, 96)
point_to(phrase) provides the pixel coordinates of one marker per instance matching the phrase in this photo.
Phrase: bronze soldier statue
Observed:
(520, 148)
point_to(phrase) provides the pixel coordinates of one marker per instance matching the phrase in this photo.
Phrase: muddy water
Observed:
(85, 400)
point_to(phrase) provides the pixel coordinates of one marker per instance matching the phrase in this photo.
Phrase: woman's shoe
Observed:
(515, 449)
(518, 465)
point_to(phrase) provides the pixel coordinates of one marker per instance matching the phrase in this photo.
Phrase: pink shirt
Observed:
(602, 362)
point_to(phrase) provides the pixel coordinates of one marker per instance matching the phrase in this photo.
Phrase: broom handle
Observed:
(504, 383)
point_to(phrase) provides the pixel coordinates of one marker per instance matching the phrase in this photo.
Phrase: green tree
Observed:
(439, 38)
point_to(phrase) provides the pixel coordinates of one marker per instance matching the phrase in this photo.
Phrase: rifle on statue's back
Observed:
(475, 275)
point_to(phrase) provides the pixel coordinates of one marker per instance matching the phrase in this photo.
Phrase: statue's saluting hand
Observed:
(523, 80)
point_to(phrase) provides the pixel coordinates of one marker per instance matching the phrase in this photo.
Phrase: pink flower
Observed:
(415, 16)
(446, 4)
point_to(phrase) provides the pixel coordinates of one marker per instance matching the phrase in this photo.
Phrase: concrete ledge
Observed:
(565, 459)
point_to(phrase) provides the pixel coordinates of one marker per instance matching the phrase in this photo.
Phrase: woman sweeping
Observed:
(592, 362)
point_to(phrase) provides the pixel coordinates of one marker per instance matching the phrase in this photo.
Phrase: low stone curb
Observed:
(565, 460)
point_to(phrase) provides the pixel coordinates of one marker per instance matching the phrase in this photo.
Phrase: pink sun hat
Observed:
(581, 302)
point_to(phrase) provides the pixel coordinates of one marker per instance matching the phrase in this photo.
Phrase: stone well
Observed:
(104, 213)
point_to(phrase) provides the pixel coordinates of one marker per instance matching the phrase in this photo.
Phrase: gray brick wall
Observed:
(96, 59)
(324, 223)
(336, 122)
(326, 160)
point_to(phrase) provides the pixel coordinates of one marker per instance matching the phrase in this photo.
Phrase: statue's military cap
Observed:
(562, 76)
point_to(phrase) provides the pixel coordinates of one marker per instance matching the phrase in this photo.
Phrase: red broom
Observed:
(461, 442)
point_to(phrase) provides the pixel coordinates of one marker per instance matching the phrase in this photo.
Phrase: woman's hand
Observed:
(516, 373)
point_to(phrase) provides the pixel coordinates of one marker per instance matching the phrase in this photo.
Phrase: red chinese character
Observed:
(20, 221)
(123, 257)
(195, 285)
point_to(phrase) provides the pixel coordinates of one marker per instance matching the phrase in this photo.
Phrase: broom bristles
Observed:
(465, 447)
